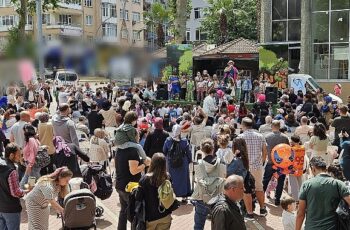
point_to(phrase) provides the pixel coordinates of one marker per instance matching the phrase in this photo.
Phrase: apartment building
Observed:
(117, 22)
(193, 31)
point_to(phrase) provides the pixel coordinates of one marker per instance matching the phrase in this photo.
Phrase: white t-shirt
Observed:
(31, 96)
(63, 97)
(225, 154)
(288, 220)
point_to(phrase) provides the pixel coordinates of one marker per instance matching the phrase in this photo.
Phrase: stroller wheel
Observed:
(99, 211)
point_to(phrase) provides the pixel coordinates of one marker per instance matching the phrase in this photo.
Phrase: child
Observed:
(337, 89)
(272, 185)
(288, 216)
(189, 90)
(224, 152)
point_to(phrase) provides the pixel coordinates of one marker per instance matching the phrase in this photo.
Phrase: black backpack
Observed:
(175, 154)
(136, 210)
(102, 179)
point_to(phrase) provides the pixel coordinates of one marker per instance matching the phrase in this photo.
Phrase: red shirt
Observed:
(231, 108)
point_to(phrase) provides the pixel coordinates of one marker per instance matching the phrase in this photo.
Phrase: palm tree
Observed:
(156, 17)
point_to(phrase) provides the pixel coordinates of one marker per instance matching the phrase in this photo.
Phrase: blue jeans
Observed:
(34, 173)
(246, 96)
(10, 221)
(200, 214)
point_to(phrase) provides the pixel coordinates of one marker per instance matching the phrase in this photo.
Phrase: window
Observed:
(136, 16)
(125, 33)
(136, 1)
(8, 20)
(197, 35)
(201, 36)
(286, 20)
(49, 37)
(29, 20)
(339, 61)
(46, 19)
(2, 3)
(113, 9)
(88, 21)
(109, 30)
(7, 3)
(65, 19)
(320, 5)
(105, 10)
(124, 14)
(136, 35)
(197, 12)
(75, 2)
(340, 4)
(339, 26)
(188, 35)
(320, 27)
(88, 3)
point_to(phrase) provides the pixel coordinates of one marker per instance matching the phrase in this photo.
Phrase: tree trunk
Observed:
(180, 21)
(223, 28)
(258, 18)
(160, 35)
(22, 20)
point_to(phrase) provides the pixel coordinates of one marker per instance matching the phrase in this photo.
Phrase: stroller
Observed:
(80, 203)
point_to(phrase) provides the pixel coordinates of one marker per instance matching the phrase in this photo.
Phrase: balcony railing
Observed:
(69, 5)
(67, 29)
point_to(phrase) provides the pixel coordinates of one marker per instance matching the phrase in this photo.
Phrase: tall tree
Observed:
(156, 17)
(239, 17)
(180, 11)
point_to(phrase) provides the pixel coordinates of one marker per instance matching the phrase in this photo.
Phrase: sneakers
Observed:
(249, 216)
(263, 212)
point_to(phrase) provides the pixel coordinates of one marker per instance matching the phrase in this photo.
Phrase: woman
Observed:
(109, 114)
(240, 166)
(99, 148)
(242, 111)
(30, 150)
(67, 155)
(319, 143)
(291, 122)
(211, 166)
(44, 193)
(156, 217)
(345, 158)
(180, 174)
(45, 133)
(155, 140)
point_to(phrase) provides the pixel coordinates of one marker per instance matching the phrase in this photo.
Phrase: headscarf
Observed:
(158, 123)
(126, 106)
(262, 98)
(176, 132)
(60, 145)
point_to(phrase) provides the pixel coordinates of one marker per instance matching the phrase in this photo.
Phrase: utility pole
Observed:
(40, 39)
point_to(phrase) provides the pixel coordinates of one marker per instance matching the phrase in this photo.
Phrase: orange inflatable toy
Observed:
(298, 164)
(282, 156)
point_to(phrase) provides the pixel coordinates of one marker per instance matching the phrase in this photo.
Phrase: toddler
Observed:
(288, 215)
(272, 185)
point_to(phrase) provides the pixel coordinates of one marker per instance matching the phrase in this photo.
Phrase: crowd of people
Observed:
(218, 155)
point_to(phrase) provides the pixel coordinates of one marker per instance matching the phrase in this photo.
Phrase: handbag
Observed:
(42, 158)
(166, 196)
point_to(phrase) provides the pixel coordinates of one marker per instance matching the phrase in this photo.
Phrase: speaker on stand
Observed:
(162, 92)
(271, 94)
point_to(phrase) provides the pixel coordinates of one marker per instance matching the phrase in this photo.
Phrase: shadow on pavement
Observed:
(183, 210)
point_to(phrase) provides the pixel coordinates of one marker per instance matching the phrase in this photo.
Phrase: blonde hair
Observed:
(223, 140)
(52, 179)
(98, 134)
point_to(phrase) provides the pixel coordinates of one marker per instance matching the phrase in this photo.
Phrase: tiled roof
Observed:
(238, 46)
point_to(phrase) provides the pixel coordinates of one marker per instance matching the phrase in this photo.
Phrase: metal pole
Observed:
(40, 39)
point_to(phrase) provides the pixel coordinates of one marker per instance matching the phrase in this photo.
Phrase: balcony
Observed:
(71, 7)
(7, 28)
(109, 39)
(108, 19)
(67, 30)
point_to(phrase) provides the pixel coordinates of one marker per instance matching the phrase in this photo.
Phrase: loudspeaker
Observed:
(271, 94)
(162, 92)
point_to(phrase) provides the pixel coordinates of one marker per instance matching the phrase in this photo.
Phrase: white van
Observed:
(66, 78)
(305, 82)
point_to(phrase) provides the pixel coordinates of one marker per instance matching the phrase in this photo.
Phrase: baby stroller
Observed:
(80, 203)
(97, 177)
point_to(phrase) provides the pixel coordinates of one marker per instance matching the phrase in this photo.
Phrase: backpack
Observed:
(166, 196)
(104, 185)
(136, 209)
(42, 158)
(209, 186)
(176, 154)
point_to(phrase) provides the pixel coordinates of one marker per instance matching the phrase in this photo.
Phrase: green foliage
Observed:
(186, 63)
(166, 72)
(240, 20)
(15, 49)
(31, 5)
(267, 58)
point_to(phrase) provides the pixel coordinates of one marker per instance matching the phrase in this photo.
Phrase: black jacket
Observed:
(154, 142)
(47, 95)
(226, 214)
(8, 203)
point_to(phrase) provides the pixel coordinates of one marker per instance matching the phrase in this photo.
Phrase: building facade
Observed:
(193, 32)
(314, 34)
(117, 22)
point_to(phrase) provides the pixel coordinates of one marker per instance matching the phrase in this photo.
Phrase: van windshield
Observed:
(314, 83)
(67, 77)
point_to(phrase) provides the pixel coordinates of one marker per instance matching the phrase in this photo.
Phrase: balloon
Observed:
(282, 156)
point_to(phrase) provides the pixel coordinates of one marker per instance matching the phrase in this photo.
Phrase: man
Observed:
(230, 72)
(95, 119)
(17, 132)
(47, 95)
(128, 169)
(257, 155)
(341, 123)
(307, 106)
(320, 196)
(246, 88)
(63, 126)
(209, 104)
(303, 130)
(225, 211)
(272, 139)
(292, 96)
(10, 192)
(266, 128)
(63, 96)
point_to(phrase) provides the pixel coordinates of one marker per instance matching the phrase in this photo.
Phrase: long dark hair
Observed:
(241, 145)
(320, 131)
(157, 170)
(29, 131)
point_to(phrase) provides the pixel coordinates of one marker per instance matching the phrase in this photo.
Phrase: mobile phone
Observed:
(31, 181)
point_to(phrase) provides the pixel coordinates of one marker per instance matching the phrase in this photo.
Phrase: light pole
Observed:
(40, 39)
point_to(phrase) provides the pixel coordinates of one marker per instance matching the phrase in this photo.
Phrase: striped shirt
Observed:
(255, 142)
